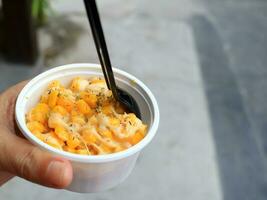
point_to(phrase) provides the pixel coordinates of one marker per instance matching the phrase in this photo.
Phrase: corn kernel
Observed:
(44, 99)
(54, 84)
(83, 107)
(52, 99)
(61, 133)
(52, 141)
(78, 119)
(118, 149)
(89, 137)
(106, 133)
(90, 99)
(65, 103)
(78, 84)
(68, 149)
(37, 116)
(107, 110)
(36, 127)
(114, 121)
(82, 151)
(95, 81)
(137, 137)
(105, 148)
(61, 110)
(73, 142)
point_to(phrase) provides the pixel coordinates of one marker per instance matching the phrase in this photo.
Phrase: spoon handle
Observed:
(100, 43)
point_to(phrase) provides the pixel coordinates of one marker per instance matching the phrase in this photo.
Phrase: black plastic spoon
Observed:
(122, 96)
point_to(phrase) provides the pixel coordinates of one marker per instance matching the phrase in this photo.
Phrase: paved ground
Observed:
(205, 61)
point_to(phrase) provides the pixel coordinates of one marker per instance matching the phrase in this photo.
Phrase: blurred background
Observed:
(206, 63)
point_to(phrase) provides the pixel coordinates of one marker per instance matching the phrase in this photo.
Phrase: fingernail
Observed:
(56, 172)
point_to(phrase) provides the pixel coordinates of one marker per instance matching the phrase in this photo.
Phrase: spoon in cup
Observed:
(120, 95)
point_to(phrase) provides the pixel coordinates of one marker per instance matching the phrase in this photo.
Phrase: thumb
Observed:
(23, 159)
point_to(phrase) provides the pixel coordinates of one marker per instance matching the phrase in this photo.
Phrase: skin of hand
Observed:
(18, 157)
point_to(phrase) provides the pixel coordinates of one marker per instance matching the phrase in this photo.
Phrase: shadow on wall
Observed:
(240, 164)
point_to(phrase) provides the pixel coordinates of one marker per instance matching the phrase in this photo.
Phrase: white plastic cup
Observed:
(100, 172)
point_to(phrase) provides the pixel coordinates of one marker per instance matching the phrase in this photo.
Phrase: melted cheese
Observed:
(104, 128)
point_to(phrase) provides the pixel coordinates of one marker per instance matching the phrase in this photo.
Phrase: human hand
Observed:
(18, 157)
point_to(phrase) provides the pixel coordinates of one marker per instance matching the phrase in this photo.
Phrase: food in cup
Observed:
(84, 118)
(101, 172)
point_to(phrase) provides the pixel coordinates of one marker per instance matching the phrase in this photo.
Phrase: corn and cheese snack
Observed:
(84, 118)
